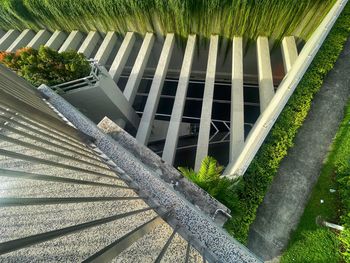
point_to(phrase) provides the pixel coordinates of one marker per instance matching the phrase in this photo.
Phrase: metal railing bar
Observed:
(74, 82)
(33, 137)
(80, 85)
(14, 201)
(108, 253)
(40, 126)
(164, 249)
(188, 249)
(32, 113)
(55, 153)
(12, 121)
(39, 105)
(20, 243)
(52, 163)
(49, 178)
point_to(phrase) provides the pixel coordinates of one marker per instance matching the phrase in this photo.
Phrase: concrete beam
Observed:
(106, 48)
(266, 88)
(89, 44)
(145, 127)
(40, 39)
(22, 40)
(56, 40)
(72, 42)
(237, 100)
(137, 71)
(172, 137)
(8, 39)
(289, 52)
(205, 122)
(122, 56)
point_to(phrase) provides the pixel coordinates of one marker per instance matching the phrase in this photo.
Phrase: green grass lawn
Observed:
(310, 242)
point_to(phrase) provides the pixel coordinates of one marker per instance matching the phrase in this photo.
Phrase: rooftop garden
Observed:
(248, 18)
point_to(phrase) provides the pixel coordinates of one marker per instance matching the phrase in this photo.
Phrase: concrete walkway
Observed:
(287, 197)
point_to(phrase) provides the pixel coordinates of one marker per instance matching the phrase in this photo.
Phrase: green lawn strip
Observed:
(310, 242)
(265, 164)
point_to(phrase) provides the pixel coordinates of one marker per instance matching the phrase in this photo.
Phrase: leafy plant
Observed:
(209, 179)
(46, 66)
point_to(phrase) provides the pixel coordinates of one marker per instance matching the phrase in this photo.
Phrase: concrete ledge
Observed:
(204, 234)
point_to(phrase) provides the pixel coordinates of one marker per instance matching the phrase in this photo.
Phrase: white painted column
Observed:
(40, 39)
(172, 137)
(72, 42)
(266, 88)
(8, 39)
(106, 48)
(205, 122)
(145, 127)
(137, 71)
(22, 40)
(237, 100)
(56, 40)
(289, 52)
(122, 56)
(89, 44)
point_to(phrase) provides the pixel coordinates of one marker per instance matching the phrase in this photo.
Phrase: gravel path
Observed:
(287, 197)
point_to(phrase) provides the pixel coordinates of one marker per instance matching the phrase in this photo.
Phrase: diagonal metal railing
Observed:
(62, 197)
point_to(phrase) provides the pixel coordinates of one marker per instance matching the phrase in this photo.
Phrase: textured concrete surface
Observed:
(285, 201)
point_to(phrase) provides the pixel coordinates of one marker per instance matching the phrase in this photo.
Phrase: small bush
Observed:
(46, 66)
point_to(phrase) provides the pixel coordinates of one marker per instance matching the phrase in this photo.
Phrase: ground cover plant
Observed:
(310, 242)
(248, 18)
(46, 66)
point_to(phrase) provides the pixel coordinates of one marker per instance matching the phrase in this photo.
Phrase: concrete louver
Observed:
(122, 56)
(40, 39)
(289, 52)
(72, 42)
(106, 48)
(266, 88)
(56, 40)
(2, 33)
(8, 39)
(237, 100)
(205, 122)
(145, 127)
(22, 40)
(179, 104)
(89, 43)
(138, 68)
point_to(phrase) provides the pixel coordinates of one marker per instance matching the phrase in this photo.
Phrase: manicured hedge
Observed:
(265, 165)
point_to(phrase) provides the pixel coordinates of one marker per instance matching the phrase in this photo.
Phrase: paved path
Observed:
(287, 197)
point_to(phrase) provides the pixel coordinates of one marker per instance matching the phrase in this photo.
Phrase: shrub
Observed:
(46, 66)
